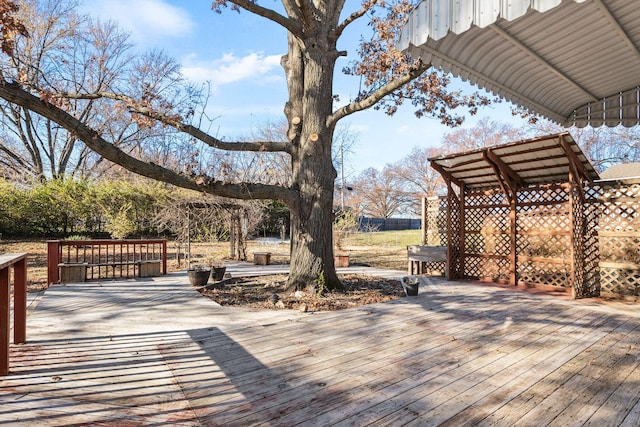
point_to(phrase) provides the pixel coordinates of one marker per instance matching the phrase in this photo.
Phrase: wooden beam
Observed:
(504, 168)
(505, 182)
(445, 173)
(574, 161)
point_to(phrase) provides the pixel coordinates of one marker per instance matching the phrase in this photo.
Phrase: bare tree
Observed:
(313, 31)
(416, 173)
(381, 194)
(73, 54)
(484, 134)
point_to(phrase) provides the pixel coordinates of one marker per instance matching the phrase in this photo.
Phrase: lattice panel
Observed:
(437, 222)
(543, 239)
(543, 231)
(487, 228)
(485, 198)
(620, 216)
(591, 250)
(620, 282)
(480, 267)
(544, 195)
(617, 209)
(620, 248)
(578, 220)
(545, 273)
(487, 224)
(455, 264)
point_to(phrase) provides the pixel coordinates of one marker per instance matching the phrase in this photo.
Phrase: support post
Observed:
(53, 259)
(425, 226)
(164, 257)
(513, 256)
(20, 301)
(4, 321)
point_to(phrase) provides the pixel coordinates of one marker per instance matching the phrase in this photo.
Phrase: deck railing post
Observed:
(20, 302)
(4, 321)
(53, 259)
(164, 257)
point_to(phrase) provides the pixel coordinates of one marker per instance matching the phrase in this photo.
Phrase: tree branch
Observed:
(173, 121)
(253, 7)
(351, 18)
(13, 93)
(376, 96)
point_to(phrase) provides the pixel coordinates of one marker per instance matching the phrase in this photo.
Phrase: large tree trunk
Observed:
(310, 82)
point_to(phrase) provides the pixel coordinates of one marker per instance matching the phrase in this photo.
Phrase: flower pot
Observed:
(410, 286)
(198, 277)
(217, 274)
(341, 260)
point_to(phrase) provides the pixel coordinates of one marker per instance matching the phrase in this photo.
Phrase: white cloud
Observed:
(146, 20)
(231, 69)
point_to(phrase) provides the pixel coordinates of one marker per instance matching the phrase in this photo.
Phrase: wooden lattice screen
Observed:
(585, 242)
(487, 235)
(616, 209)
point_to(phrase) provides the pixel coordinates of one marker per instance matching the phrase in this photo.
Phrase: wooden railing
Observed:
(19, 264)
(101, 259)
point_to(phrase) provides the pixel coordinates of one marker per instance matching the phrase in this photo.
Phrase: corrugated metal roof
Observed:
(536, 161)
(572, 61)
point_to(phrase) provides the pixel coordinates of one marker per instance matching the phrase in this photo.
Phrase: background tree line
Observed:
(124, 208)
(397, 188)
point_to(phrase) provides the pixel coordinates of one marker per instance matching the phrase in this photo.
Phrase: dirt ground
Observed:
(268, 292)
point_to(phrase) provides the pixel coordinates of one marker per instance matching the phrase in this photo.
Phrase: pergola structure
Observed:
(526, 212)
(516, 213)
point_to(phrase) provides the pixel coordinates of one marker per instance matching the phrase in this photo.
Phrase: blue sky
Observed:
(239, 54)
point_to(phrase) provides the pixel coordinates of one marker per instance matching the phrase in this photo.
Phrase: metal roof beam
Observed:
(502, 91)
(540, 59)
(616, 25)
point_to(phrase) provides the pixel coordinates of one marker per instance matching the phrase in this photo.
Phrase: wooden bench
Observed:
(421, 256)
(73, 272)
(77, 272)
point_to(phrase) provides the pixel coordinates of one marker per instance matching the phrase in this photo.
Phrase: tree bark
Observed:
(309, 67)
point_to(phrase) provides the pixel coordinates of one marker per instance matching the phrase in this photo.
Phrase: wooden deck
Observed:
(154, 352)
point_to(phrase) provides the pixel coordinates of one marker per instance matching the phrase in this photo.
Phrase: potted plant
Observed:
(410, 285)
(345, 222)
(199, 275)
(217, 271)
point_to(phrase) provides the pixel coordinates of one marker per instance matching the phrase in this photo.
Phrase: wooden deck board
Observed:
(155, 352)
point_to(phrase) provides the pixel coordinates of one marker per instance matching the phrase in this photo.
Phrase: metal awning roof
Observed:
(536, 161)
(575, 62)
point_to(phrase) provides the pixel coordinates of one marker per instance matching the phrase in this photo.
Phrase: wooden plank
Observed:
(543, 356)
(338, 399)
(576, 375)
(531, 395)
(383, 400)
